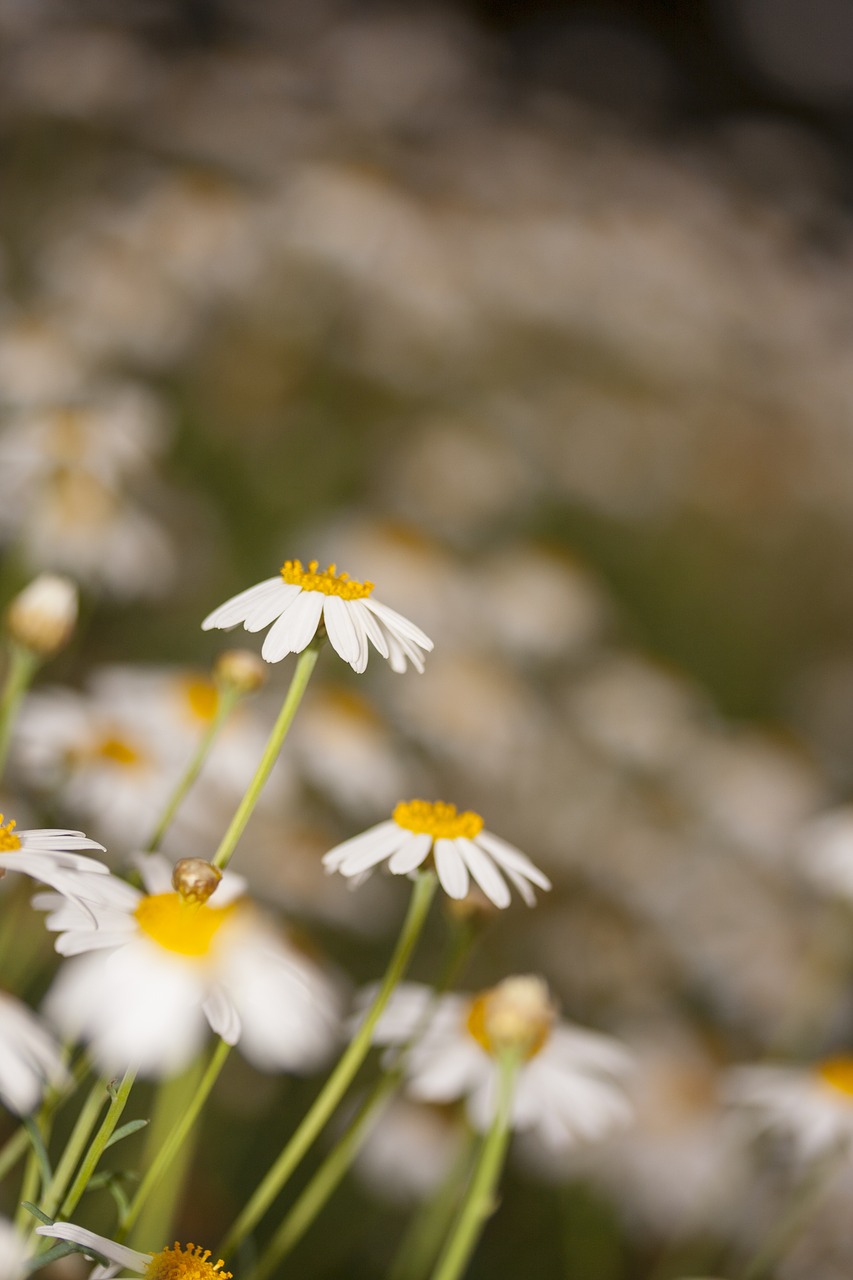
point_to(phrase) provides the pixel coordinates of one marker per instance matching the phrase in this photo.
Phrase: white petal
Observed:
(506, 855)
(227, 615)
(224, 1019)
(398, 625)
(411, 855)
(370, 855)
(343, 633)
(296, 627)
(371, 627)
(484, 872)
(270, 606)
(452, 872)
(333, 859)
(117, 1253)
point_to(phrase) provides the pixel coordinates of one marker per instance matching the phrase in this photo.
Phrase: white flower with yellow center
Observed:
(29, 1058)
(298, 601)
(460, 848)
(813, 1105)
(175, 1262)
(153, 969)
(568, 1087)
(51, 855)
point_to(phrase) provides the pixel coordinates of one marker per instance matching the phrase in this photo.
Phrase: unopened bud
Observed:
(240, 669)
(475, 908)
(516, 1016)
(195, 879)
(42, 617)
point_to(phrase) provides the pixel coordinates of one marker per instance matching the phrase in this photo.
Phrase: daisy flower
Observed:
(298, 601)
(461, 849)
(153, 969)
(813, 1105)
(29, 1060)
(189, 1262)
(50, 855)
(568, 1087)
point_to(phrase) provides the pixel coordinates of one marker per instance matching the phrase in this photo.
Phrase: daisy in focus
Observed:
(50, 855)
(29, 1060)
(175, 1262)
(812, 1105)
(460, 848)
(299, 601)
(152, 970)
(569, 1086)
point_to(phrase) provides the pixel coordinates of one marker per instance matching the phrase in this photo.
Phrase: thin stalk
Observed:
(74, 1148)
(228, 699)
(118, 1102)
(342, 1075)
(172, 1144)
(479, 1202)
(327, 1178)
(23, 664)
(304, 667)
(422, 1239)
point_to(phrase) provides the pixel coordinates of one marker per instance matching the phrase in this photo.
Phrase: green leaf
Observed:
(39, 1149)
(132, 1126)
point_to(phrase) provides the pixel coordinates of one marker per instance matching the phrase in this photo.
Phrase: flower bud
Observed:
(195, 879)
(516, 1016)
(42, 617)
(240, 670)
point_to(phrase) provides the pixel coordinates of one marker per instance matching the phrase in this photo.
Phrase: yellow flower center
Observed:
(200, 697)
(516, 1015)
(837, 1072)
(118, 751)
(187, 928)
(9, 842)
(185, 1263)
(437, 819)
(329, 581)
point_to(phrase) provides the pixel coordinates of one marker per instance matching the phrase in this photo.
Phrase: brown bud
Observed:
(195, 879)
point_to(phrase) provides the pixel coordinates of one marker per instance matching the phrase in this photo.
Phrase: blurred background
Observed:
(538, 316)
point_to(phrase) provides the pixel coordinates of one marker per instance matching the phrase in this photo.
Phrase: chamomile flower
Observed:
(50, 855)
(298, 601)
(460, 847)
(813, 1105)
(187, 1262)
(29, 1060)
(151, 970)
(569, 1086)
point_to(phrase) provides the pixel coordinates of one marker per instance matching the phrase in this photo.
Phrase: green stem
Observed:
(304, 667)
(172, 1144)
(422, 1239)
(23, 664)
(74, 1148)
(118, 1102)
(342, 1075)
(228, 699)
(479, 1203)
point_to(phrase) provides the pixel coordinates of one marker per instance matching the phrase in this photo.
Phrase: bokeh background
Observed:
(539, 316)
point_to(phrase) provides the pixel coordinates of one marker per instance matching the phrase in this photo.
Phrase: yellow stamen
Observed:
(187, 928)
(201, 698)
(837, 1072)
(329, 581)
(437, 819)
(118, 751)
(516, 1015)
(9, 842)
(185, 1263)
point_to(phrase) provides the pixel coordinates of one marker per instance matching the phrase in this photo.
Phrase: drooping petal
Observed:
(233, 611)
(484, 872)
(411, 855)
(296, 627)
(118, 1253)
(342, 632)
(451, 868)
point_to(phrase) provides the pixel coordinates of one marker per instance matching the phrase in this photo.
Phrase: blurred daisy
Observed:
(29, 1060)
(156, 967)
(190, 1261)
(813, 1105)
(461, 850)
(14, 1252)
(299, 600)
(569, 1086)
(48, 854)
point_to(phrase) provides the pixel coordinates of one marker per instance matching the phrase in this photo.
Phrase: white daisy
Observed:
(29, 1059)
(154, 968)
(568, 1087)
(50, 855)
(190, 1262)
(299, 600)
(461, 849)
(813, 1105)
